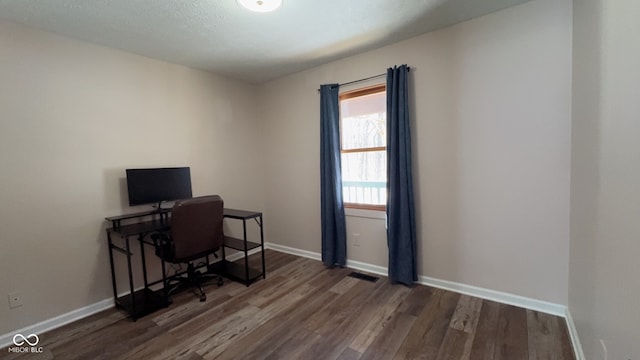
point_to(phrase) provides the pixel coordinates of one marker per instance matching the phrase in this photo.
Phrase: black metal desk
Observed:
(146, 300)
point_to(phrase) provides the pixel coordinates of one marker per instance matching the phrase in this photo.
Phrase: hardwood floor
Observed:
(305, 311)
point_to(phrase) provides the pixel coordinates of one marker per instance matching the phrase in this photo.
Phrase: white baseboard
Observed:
(505, 298)
(362, 266)
(56, 322)
(293, 251)
(497, 296)
(573, 335)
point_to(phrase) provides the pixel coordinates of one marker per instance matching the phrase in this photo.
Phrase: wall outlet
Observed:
(356, 239)
(15, 300)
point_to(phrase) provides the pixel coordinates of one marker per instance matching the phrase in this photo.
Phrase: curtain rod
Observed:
(365, 79)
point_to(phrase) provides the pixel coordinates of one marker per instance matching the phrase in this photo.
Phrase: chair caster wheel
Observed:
(203, 298)
(220, 282)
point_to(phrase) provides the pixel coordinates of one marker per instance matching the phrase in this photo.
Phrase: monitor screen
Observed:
(148, 186)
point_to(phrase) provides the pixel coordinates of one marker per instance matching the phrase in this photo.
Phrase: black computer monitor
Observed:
(153, 186)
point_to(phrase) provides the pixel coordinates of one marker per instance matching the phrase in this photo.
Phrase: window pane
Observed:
(364, 177)
(364, 121)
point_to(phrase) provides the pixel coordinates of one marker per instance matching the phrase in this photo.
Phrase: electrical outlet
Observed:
(356, 239)
(15, 300)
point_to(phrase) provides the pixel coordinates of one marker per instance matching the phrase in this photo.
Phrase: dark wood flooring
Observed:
(305, 311)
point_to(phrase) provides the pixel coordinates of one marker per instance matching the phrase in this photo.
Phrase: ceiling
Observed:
(222, 37)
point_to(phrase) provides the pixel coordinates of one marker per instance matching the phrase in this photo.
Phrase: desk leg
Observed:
(264, 270)
(144, 261)
(133, 300)
(246, 252)
(165, 281)
(113, 272)
(223, 268)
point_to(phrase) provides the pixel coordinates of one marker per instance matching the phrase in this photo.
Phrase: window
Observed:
(363, 147)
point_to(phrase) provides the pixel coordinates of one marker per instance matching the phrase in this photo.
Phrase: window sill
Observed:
(371, 214)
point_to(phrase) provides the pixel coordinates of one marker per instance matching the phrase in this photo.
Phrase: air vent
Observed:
(364, 277)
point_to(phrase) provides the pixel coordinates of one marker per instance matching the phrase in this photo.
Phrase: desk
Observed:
(140, 302)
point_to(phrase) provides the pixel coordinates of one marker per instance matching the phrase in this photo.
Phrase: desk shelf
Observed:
(235, 271)
(238, 244)
(242, 272)
(145, 300)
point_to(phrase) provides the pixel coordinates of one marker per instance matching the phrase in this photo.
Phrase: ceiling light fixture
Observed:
(260, 5)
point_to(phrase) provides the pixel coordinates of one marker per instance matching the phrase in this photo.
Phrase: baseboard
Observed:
(573, 334)
(497, 296)
(58, 321)
(294, 251)
(362, 266)
(505, 298)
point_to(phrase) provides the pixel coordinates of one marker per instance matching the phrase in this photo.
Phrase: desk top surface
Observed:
(231, 213)
(140, 227)
(241, 214)
(161, 225)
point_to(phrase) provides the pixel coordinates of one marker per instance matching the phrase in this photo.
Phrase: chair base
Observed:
(194, 279)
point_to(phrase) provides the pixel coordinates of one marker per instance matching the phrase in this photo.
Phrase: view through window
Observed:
(363, 132)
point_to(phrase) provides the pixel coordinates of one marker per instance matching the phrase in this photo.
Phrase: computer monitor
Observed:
(153, 186)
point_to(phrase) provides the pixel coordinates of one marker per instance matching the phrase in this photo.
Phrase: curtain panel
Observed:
(334, 229)
(401, 226)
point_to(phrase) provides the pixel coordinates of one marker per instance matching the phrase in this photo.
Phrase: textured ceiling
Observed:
(222, 37)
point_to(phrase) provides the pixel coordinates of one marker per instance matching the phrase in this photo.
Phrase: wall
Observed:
(73, 117)
(491, 121)
(605, 196)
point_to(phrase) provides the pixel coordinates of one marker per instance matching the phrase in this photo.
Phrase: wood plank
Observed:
(486, 334)
(390, 339)
(380, 319)
(512, 338)
(243, 327)
(340, 329)
(277, 331)
(427, 334)
(458, 340)
(567, 347)
(465, 317)
(456, 345)
(542, 333)
(415, 301)
(349, 354)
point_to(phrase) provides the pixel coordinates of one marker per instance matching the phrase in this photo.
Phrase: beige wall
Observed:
(491, 128)
(605, 184)
(73, 116)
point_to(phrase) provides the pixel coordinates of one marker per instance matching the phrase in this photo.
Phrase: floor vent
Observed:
(363, 277)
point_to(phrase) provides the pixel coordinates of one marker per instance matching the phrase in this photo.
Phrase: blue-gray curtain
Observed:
(401, 225)
(334, 229)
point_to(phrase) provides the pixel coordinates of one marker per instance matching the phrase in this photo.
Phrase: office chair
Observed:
(195, 233)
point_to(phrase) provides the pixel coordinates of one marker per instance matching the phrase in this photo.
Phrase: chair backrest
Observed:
(196, 227)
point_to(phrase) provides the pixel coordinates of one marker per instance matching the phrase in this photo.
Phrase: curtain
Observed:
(401, 226)
(334, 229)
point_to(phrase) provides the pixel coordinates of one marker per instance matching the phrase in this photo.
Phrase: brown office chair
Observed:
(195, 233)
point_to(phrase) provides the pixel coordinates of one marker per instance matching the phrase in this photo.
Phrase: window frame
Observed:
(373, 89)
